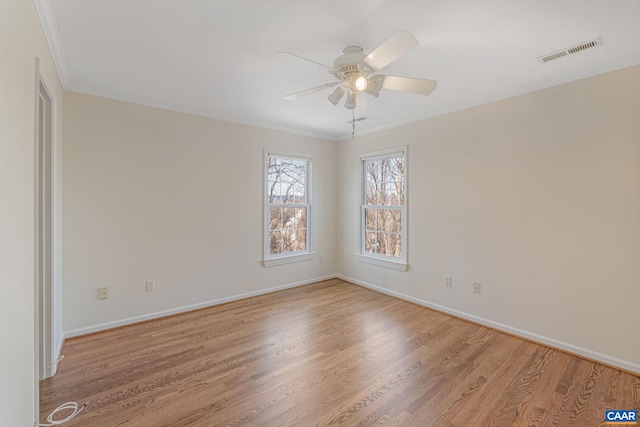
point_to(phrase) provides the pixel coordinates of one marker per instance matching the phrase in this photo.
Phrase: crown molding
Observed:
(194, 112)
(45, 12)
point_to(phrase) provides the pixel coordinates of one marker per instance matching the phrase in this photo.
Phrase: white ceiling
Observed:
(218, 58)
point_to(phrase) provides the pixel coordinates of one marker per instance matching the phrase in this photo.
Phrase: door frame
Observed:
(46, 241)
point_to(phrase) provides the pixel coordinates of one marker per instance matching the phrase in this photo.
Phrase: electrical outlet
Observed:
(448, 281)
(103, 293)
(321, 258)
(150, 285)
(477, 288)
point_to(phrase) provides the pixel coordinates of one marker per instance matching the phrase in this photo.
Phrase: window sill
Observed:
(289, 259)
(395, 265)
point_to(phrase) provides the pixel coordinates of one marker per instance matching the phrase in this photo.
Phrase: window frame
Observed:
(269, 259)
(376, 259)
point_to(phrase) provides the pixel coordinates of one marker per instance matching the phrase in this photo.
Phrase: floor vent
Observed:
(570, 50)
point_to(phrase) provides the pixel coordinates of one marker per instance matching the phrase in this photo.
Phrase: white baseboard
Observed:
(50, 370)
(59, 347)
(531, 336)
(183, 309)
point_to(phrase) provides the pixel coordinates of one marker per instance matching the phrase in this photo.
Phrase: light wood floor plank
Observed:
(328, 354)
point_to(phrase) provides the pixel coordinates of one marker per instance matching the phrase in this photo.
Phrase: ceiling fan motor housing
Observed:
(347, 63)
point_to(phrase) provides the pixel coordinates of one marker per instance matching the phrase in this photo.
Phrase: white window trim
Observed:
(288, 259)
(269, 260)
(361, 255)
(382, 262)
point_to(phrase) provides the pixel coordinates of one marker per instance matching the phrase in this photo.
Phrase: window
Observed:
(288, 209)
(383, 213)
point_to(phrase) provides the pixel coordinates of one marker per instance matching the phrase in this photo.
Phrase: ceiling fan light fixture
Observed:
(361, 83)
(374, 85)
(350, 103)
(336, 95)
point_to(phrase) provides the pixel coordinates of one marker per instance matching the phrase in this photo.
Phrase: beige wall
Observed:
(150, 194)
(21, 41)
(538, 198)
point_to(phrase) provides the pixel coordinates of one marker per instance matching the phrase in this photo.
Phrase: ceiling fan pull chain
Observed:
(353, 125)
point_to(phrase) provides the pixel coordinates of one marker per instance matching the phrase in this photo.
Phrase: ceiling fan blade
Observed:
(398, 44)
(409, 84)
(306, 92)
(305, 59)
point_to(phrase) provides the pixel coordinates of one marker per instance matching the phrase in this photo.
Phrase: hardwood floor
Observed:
(330, 353)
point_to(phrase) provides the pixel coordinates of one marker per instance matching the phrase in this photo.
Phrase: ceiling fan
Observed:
(356, 72)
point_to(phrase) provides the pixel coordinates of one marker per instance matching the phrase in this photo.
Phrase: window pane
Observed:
(288, 241)
(379, 220)
(301, 239)
(370, 243)
(382, 196)
(287, 180)
(299, 193)
(370, 219)
(372, 182)
(275, 242)
(284, 192)
(384, 182)
(271, 191)
(278, 191)
(383, 220)
(298, 170)
(301, 217)
(290, 192)
(371, 197)
(288, 218)
(395, 245)
(385, 217)
(273, 169)
(372, 168)
(395, 220)
(391, 194)
(275, 221)
(381, 243)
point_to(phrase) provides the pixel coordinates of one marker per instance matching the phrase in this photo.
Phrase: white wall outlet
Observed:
(477, 288)
(321, 258)
(103, 293)
(150, 285)
(448, 281)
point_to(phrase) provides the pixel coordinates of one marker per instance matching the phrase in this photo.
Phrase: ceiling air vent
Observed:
(359, 119)
(570, 50)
